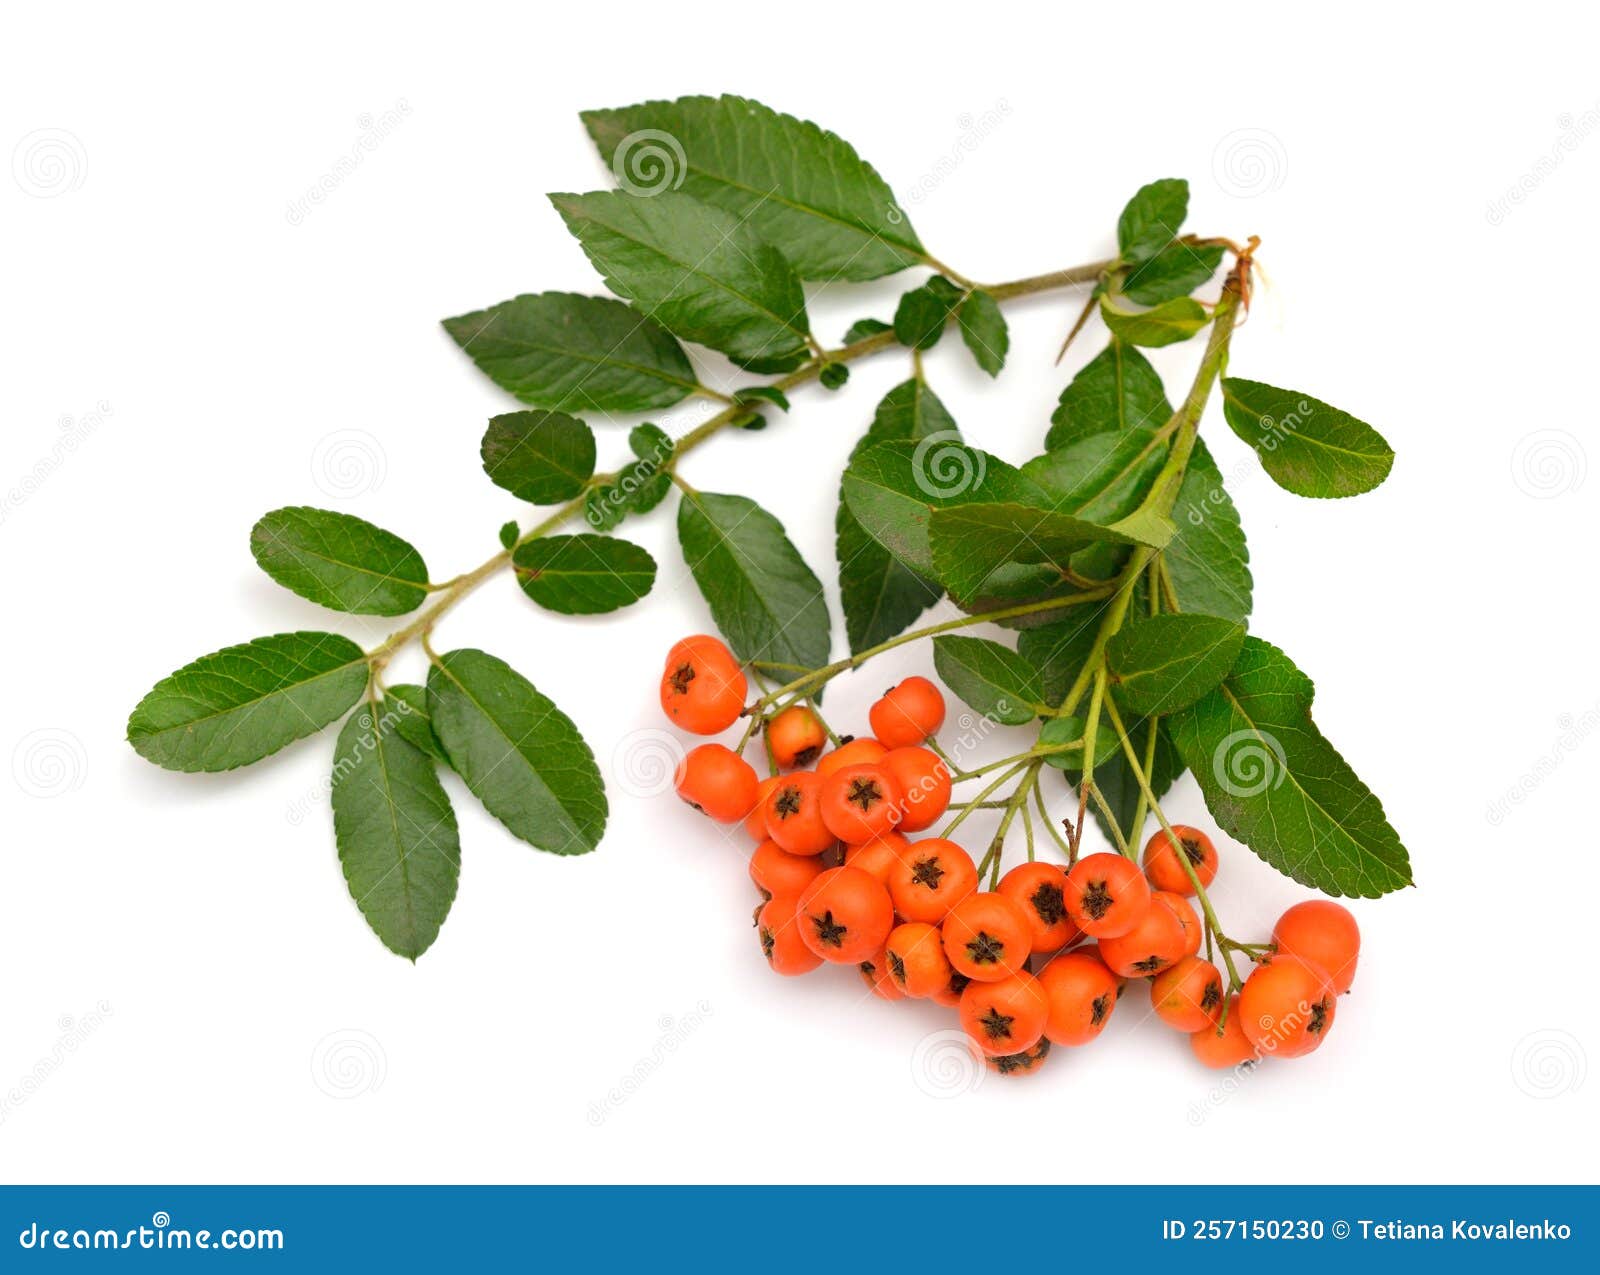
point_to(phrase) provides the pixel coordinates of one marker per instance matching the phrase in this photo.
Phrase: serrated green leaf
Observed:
(519, 754)
(1057, 651)
(765, 599)
(1306, 446)
(799, 185)
(541, 457)
(650, 442)
(880, 595)
(1101, 477)
(245, 702)
(1208, 560)
(1273, 781)
(1165, 662)
(583, 574)
(408, 703)
(969, 543)
(983, 328)
(339, 561)
(922, 313)
(1151, 218)
(698, 271)
(396, 833)
(571, 353)
(990, 678)
(892, 489)
(1115, 390)
(1174, 271)
(1165, 324)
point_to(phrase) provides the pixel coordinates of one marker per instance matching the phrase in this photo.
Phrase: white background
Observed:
(180, 959)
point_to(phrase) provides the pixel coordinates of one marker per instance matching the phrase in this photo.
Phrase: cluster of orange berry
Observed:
(843, 884)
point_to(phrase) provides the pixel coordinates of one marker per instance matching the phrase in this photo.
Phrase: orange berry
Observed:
(1005, 1017)
(850, 753)
(1041, 891)
(1158, 939)
(987, 937)
(796, 737)
(917, 963)
(702, 685)
(879, 855)
(781, 942)
(925, 780)
(845, 916)
(1325, 934)
(874, 972)
(755, 823)
(718, 781)
(908, 713)
(1227, 1047)
(1106, 895)
(1082, 992)
(1286, 1007)
(932, 876)
(1162, 866)
(777, 872)
(1023, 1064)
(860, 803)
(1188, 996)
(793, 812)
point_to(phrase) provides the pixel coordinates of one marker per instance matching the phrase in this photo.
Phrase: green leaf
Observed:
(245, 702)
(396, 833)
(880, 596)
(584, 574)
(861, 329)
(765, 600)
(1070, 730)
(409, 705)
(650, 442)
(571, 353)
(1165, 324)
(922, 313)
(1115, 390)
(832, 376)
(1057, 651)
(1273, 781)
(697, 270)
(340, 561)
(799, 185)
(510, 533)
(639, 487)
(1101, 477)
(1306, 446)
(541, 457)
(762, 394)
(970, 543)
(892, 489)
(1175, 271)
(1208, 560)
(1152, 217)
(983, 328)
(990, 678)
(518, 753)
(1166, 662)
